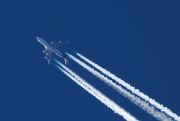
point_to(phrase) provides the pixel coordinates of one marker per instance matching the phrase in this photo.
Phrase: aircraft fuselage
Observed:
(47, 46)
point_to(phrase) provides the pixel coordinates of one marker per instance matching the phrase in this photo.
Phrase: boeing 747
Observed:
(51, 48)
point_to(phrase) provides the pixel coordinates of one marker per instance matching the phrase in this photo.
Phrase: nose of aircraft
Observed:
(37, 38)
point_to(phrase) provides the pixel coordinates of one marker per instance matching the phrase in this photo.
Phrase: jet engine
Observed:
(45, 57)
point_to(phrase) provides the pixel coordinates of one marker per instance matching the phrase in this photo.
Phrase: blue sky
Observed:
(136, 40)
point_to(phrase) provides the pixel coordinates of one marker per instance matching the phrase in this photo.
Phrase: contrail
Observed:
(142, 104)
(109, 103)
(133, 90)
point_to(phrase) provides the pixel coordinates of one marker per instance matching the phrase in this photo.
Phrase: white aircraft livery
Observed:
(51, 48)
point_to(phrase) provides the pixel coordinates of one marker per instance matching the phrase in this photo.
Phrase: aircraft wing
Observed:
(57, 44)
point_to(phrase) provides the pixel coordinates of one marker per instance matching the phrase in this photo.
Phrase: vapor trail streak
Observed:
(142, 104)
(133, 90)
(109, 103)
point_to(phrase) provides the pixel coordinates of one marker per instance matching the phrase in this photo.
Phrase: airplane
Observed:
(51, 48)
